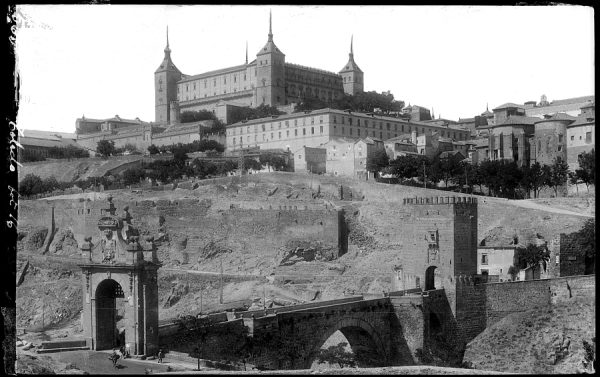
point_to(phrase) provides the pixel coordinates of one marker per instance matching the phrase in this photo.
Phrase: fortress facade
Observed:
(268, 80)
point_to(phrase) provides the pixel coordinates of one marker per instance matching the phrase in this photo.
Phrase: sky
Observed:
(99, 60)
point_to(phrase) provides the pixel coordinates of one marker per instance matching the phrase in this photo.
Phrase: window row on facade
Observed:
(265, 136)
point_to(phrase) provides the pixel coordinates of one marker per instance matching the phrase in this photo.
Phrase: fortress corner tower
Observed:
(351, 74)
(270, 74)
(166, 77)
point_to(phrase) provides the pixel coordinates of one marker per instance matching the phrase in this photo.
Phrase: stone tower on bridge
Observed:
(120, 300)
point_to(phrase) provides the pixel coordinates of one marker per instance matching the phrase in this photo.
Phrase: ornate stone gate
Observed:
(120, 300)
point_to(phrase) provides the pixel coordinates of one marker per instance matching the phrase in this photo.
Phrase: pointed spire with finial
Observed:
(246, 52)
(351, 43)
(167, 49)
(270, 29)
(432, 113)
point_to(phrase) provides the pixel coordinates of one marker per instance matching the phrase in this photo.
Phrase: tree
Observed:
(531, 256)
(131, 148)
(179, 156)
(574, 179)
(378, 161)
(559, 172)
(337, 355)
(196, 116)
(513, 272)
(583, 243)
(274, 161)
(537, 177)
(31, 185)
(106, 148)
(153, 149)
(586, 173)
(510, 176)
(587, 162)
(446, 168)
(252, 164)
(133, 176)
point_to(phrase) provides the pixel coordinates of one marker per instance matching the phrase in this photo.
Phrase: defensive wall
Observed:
(203, 221)
(484, 304)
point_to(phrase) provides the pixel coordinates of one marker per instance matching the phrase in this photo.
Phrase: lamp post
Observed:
(197, 352)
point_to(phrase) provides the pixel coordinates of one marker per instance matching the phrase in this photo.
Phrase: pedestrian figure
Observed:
(127, 351)
(160, 356)
(114, 357)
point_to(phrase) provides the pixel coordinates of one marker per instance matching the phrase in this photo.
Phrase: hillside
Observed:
(537, 341)
(374, 246)
(76, 169)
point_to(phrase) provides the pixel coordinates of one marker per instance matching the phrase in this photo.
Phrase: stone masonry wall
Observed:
(502, 299)
(236, 228)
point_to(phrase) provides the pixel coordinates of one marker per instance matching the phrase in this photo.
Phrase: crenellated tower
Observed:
(166, 77)
(270, 73)
(351, 74)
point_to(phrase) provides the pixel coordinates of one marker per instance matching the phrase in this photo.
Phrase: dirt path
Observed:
(532, 205)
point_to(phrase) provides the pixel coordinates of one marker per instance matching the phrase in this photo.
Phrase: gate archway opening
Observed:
(109, 297)
(363, 346)
(430, 278)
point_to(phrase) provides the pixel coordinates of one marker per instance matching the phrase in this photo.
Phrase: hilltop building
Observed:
(541, 132)
(268, 80)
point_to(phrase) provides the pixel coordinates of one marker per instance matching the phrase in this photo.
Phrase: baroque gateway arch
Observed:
(120, 300)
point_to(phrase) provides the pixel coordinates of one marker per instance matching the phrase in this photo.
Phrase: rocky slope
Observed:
(537, 341)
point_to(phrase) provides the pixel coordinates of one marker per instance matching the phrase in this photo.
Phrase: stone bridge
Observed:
(382, 331)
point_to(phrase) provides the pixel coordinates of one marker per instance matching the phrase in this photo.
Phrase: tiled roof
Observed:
(350, 66)
(557, 116)
(466, 120)
(508, 105)
(517, 120)
(399, 138)
(447, 154)
(582, 120)
(215, 72)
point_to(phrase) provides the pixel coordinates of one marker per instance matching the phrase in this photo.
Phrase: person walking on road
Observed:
(160, 356)
(114, 357)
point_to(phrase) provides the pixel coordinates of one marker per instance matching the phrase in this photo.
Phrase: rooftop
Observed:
(582, 120)
(508, 105)
(215, 72)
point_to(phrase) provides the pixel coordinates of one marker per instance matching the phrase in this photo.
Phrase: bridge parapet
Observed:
(284, 309)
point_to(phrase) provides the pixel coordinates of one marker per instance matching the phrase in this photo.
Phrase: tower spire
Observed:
(351, 43)
(246, 52)
(270, 29)
(167, 49)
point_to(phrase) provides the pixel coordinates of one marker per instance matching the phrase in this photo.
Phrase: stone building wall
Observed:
(550, 140)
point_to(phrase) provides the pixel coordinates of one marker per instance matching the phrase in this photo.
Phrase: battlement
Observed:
(470, 279)
(439, 200)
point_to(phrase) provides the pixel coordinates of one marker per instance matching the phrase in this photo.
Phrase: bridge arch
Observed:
(362, 337)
